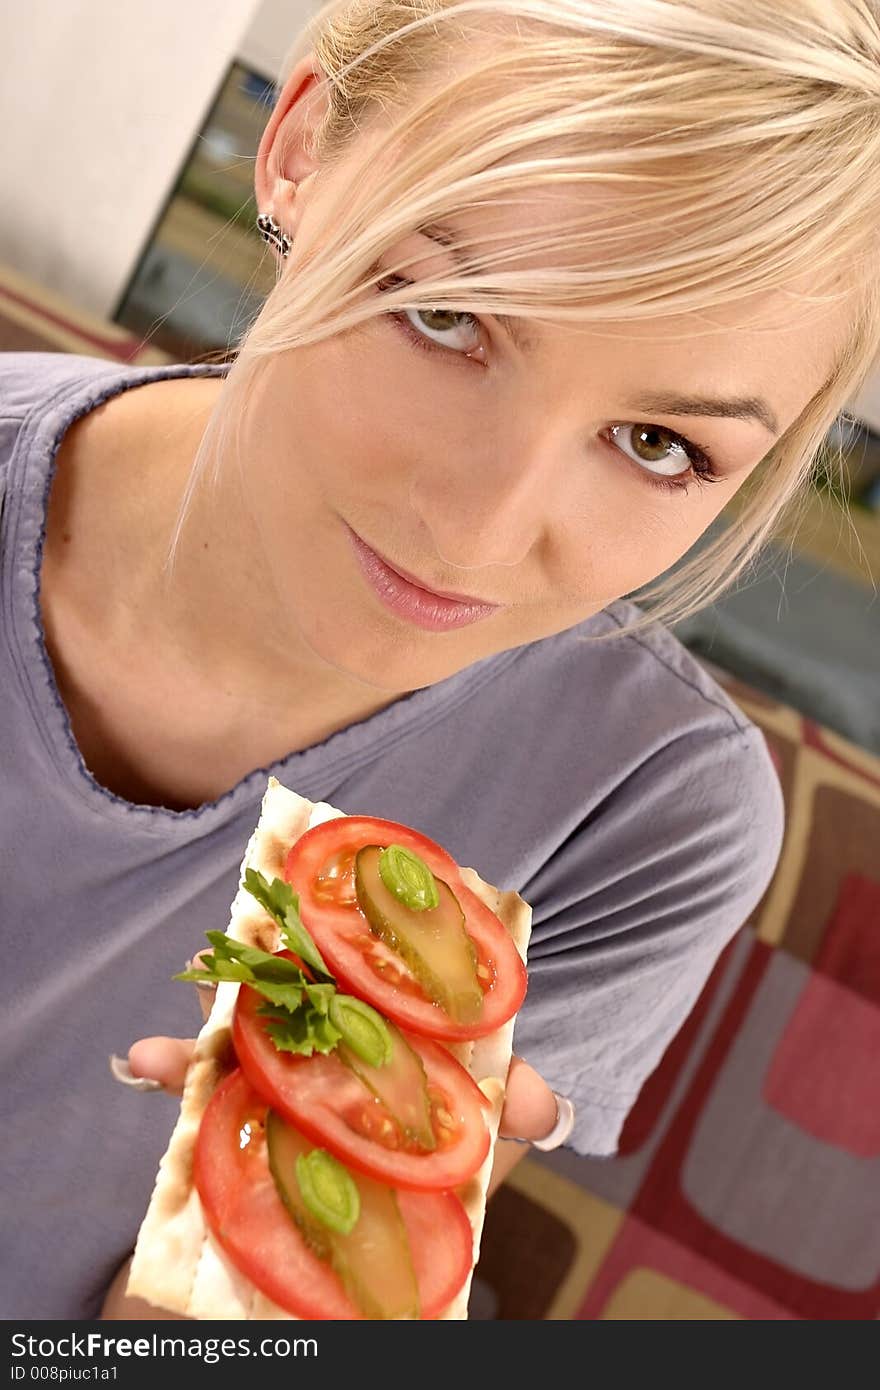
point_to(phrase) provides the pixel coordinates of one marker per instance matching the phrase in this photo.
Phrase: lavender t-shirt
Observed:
(617, 788)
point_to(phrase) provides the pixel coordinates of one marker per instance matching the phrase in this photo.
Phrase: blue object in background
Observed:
(806, 635)
(871, 496)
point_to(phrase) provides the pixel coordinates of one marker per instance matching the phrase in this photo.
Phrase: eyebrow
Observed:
(732, 407)
(665, 402)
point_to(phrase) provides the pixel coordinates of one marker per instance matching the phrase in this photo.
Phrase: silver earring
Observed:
(271, 232)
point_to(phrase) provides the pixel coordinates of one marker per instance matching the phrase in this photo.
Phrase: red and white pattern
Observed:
(747, 1183)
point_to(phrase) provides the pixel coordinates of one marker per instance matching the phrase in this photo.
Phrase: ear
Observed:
(283, 160)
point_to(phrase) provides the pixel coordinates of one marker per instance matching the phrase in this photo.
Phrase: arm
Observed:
(508, 1153)
(647, 897)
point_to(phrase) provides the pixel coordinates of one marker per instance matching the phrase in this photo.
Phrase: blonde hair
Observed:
(743, 138)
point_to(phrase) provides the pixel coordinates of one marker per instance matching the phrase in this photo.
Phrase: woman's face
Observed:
(547, 477)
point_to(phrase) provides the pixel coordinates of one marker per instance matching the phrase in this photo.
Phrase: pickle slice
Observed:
(401, 1084)
(373, 1261)
(433, 942)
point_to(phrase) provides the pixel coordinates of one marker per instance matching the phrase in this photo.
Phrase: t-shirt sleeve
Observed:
(632, 912)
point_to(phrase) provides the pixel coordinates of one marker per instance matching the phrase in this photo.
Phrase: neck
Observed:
(216, 616)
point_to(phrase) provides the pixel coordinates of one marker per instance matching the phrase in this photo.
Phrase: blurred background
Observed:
(747, 1183)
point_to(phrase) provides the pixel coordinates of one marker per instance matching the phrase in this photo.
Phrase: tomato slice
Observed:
(327, 1103)
(320, 868)
(247, 1216)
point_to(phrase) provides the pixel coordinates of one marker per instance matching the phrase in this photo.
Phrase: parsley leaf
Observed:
(304, 1032)
(297, 1009)
(280, 901)
(279, 980)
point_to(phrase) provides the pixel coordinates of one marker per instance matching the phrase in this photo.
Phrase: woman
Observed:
(545, 272)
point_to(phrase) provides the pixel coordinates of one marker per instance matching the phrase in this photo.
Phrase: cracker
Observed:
(177, 1263)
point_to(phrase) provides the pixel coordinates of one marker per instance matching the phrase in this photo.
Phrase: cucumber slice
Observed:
(401, 1084)
(433, 942)
(373, 1261)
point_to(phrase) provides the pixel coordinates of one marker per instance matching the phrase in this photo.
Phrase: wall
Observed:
(99, 104)
(273, 29)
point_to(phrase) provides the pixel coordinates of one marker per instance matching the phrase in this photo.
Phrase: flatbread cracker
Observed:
(177, 1263)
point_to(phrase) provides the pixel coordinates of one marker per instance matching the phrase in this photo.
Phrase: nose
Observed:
(490, 505)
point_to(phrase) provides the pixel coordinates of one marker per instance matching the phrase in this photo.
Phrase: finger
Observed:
(206, 991)
(530, 1109)
(162, 1059)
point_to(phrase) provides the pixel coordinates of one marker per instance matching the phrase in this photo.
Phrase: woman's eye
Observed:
(672, 460)
(450, 328)
(453, 329)
(659, 450)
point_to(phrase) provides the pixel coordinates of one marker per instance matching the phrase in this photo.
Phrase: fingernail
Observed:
(206, 989)
(122, 1071)
(563, 1127)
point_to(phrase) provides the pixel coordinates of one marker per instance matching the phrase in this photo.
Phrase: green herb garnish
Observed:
(304, 1016)
(280, 901)
(305, 1030)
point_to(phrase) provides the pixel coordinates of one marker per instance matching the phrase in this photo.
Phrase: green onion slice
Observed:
(408, 877)
(362, 1028)
(328, 1190)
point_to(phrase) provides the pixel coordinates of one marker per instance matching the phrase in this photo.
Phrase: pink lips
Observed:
(419, 605)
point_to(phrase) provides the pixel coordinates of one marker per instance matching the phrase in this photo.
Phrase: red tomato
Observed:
(320, 868)
(327, 1103)
(245, 1212)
